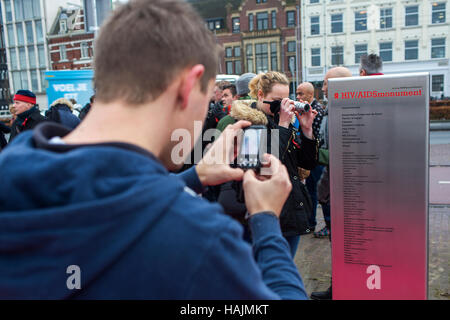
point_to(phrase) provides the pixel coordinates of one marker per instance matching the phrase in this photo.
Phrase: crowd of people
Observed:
(104, 194)
(26, 115)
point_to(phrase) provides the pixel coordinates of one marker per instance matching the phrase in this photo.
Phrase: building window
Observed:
(274, 19)
(315, 25)
(273, 56)
(262, 58)
(228, 52)
(39, 33)
(11, 38)
(62, 53)
(29, 29)
(290, 18)
(36, 9)
(438, 13)
(386, 18)
(249, 53)
(34, 81)
(20, 36)
(313, 1)
(291, 46)
(84, 50)
(13, 58)
(437, 82)
(63, 26)
(315, 57)
(261, 1)
(22, 58)
(412, 16)
(250, 22)
(292, 63)
(337, 56)
(237, 51)
(386, 51)
(262, 21)
(360, 49)
(237, 67)
(32, 56)
(41, 56)
(236, 25)
(336, 23)
(229, 67)
(8, 11)
(17, 82)
(411, 49)
(24, 79)
(18, 10)
(361, 21)
(438, 48)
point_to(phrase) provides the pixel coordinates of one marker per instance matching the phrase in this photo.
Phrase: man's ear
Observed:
(191, 77)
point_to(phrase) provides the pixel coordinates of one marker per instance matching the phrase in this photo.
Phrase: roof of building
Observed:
(214, 8)
(70, 15)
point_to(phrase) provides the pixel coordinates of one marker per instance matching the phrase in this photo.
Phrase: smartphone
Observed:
(253, 144)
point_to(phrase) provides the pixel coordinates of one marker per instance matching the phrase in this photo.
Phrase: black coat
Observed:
(3, 129)
(27, 120)
(295, 150)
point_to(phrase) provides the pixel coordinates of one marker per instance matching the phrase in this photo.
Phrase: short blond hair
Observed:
(265, 82)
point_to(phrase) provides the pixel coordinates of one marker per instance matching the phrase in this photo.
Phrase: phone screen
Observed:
(251, 142)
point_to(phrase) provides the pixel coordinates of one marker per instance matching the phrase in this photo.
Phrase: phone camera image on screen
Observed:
(249, 155)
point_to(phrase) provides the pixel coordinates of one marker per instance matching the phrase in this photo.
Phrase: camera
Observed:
(300, 107)
(253, 143)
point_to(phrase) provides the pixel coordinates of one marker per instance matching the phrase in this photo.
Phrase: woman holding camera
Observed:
(295, 150)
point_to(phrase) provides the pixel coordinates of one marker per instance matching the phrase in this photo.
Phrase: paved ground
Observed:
(313, 257)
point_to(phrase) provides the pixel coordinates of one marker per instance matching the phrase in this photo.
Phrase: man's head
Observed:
(24, 100)
(218, 90)
(242, 84)
(144, 45)
(305, 92)
(370, 64)
(158, 58)
(228, 94)
(338, 72)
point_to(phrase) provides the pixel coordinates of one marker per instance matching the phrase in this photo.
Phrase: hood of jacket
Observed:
(83, 207)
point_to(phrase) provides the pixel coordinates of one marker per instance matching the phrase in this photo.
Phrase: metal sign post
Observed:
(379, 154)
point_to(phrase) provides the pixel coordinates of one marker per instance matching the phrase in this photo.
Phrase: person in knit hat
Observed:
(242, 86)
(28, 115)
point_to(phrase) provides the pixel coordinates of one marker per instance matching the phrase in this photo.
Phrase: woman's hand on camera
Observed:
(286, 112)
(306, 120)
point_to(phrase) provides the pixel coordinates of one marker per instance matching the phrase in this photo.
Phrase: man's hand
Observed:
(267, 193)
(214, 168)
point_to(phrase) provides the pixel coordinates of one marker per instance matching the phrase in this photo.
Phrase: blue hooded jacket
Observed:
(131, 229)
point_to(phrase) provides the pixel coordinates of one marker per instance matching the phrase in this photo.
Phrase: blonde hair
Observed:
(265, 82)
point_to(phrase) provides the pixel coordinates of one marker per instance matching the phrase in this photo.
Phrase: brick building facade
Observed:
(70, 46)
(257, 35)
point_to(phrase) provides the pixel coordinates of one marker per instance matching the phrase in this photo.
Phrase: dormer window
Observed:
(63, 23)
(63, 26)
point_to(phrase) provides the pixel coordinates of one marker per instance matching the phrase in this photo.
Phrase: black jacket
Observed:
(295, 151)
(27, 120)
(3, 129)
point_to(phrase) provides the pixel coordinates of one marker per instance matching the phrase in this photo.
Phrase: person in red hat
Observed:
(28, 115)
